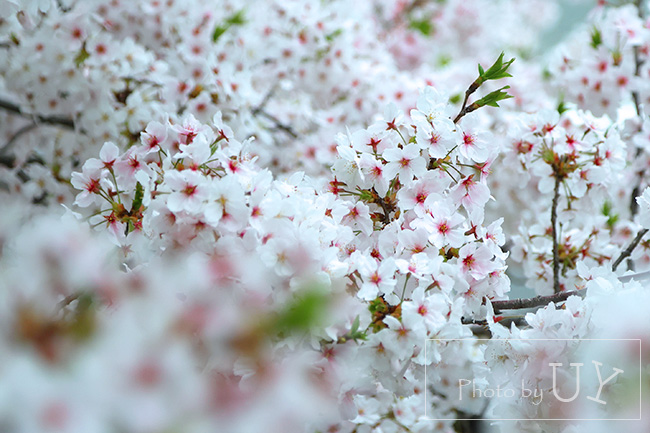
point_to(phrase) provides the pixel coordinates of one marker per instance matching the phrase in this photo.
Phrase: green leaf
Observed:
(81, 56)
(480, 70)
(596, 38)
(83, 324)
(492, 98)
(497, 70)
(607, 208)
(443, 60)
(424, 26)
(561, 108)
(365, 195)
(612, 217)
(235, 19)
(330, 37)
(303, 312)
(377, 306)
(218, 31)
(137, 199)
(355, 326)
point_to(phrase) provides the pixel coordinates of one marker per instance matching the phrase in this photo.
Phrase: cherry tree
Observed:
(263, 215)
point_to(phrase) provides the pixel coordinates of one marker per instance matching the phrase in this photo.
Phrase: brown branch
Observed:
(628, 251)
(556, 259)
(384, 206)
(37, 118)
(537, 301)
(464, 109)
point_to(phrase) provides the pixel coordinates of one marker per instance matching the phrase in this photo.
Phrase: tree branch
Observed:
(556, 259)
(628, 251)
(505, 321)
(518, 304)
(37, 118)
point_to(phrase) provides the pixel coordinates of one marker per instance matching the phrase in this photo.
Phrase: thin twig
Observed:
(278, 124)
(634, 207)
(25, 129)
(265, 101)
(259, 111)
(637, 59)
(461, 113)
(556, 259)
(629, 249)
(465, 109)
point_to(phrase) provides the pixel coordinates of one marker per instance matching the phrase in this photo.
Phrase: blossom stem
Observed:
(556, 259)
(450, 175)
(455, 169)
(404, 289)
(402, 137)
(117, 189)
(629, 249)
